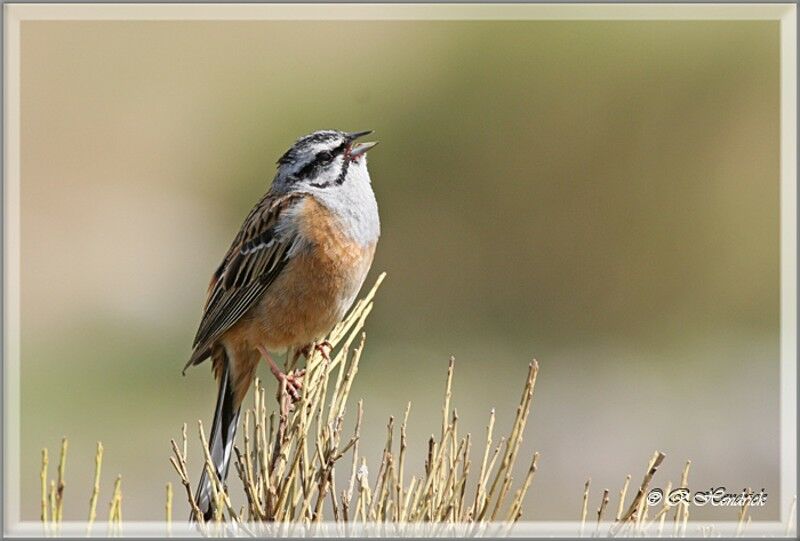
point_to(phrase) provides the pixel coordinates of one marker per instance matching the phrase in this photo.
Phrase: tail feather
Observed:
(223, 433)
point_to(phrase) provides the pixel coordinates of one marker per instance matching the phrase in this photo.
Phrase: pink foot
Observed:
(291, 381)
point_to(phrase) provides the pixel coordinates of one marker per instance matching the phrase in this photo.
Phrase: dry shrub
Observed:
(289, 457)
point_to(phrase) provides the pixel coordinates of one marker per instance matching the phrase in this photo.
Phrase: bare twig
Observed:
(43, 477)
(168, 509)
(584, 506)
(98, 463)
(655, 462)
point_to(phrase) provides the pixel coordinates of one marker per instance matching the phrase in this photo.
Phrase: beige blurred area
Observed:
(603, 196)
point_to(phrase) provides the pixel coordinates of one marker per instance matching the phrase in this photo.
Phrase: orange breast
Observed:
(313, 291)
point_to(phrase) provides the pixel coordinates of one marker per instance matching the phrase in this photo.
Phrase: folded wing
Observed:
(256, 257)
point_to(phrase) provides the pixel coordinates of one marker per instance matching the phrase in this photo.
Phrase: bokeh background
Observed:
(602, 196)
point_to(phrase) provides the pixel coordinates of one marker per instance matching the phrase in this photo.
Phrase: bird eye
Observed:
(325, 156)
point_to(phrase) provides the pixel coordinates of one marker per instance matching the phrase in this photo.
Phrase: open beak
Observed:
(359, 148)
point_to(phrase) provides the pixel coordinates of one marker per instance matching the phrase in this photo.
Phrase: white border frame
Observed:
(14, 14)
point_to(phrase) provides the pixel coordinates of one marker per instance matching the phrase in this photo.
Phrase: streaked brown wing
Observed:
(255, 258)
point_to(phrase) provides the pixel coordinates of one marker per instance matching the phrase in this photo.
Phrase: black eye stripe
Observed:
(335, 152)
(322, 158)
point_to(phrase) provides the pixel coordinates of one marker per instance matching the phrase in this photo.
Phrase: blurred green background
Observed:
(603, 196)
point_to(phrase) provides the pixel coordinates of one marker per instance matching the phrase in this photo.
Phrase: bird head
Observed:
(324, 159)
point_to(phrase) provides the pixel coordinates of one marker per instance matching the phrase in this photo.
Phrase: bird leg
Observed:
(291, 380)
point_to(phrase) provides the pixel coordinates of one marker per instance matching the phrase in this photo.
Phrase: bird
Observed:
(290, 275)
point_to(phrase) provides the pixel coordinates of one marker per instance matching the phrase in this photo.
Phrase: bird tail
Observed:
(223, 433)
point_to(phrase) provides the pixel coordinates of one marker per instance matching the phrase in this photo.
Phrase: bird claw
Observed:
(324, 348)
(292, 383)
